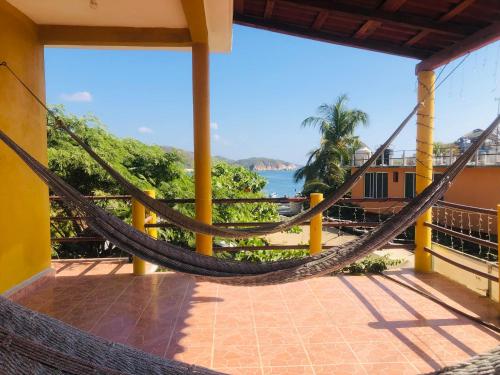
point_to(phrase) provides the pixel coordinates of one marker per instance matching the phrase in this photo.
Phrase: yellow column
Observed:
(202, 156)
(141, 267)
(316, 227)
(424, 167)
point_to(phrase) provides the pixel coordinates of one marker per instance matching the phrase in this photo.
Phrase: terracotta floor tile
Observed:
(330, 354)
(193, 336)
(311, 318)
(363, 333)
(275, 306)
(277, 336)
(377, 352)
(236, 356)
(283, 355)
(156, 345)
(240, 336)
(320, 334)
(343, 369)
(198, 355)
(390, 369)
(243, 320)
(272, 320)
(288, 370)
(240, 370)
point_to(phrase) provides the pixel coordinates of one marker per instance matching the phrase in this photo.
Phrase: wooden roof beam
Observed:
(110, 36)
(477, 40)
(405, 20)
(285, 28)
(194, 11)
(320, 20)
(456, 10)
(369, 27)
(268, 12)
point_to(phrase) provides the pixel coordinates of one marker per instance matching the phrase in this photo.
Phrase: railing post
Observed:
(315, 227)
(141, 267)
(498, 244)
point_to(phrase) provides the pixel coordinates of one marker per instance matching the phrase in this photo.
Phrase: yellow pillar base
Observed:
(139, 215)
(316, 227)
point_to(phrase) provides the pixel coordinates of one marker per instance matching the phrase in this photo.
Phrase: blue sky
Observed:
(262, 90)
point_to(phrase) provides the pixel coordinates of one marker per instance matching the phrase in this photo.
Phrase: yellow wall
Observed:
(476, 283)
(24, 214)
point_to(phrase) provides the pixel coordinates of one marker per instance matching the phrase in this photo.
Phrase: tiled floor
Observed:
(329, 325)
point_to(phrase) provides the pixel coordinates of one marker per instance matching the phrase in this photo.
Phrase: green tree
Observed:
(336, 123)
(148, 167)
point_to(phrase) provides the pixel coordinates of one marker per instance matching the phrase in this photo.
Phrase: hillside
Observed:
(266, 164)
(254, 164)
(188, 156)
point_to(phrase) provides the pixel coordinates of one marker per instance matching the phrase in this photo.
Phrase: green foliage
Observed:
(147, 167)
(371, 264)
(324, 169)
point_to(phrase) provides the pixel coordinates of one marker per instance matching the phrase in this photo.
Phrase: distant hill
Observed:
(266, 164)
(188, 156)
(254, 164)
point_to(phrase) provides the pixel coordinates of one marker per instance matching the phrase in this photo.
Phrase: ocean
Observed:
(281, 183)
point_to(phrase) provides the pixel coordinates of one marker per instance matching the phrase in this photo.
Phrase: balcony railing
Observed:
(443, 158)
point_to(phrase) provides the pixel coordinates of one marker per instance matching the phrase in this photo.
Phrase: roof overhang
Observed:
(128, 23)
(435, 32)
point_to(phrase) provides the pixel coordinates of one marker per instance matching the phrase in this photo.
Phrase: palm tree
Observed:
(336, 123)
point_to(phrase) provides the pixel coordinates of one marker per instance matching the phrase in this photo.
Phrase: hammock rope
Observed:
(246, 273)
(188, 223)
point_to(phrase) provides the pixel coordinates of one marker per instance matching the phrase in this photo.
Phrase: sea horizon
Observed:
(281, 183)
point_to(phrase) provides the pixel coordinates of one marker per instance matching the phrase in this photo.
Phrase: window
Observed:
(410, 185)
(395, 176)
(376, 185)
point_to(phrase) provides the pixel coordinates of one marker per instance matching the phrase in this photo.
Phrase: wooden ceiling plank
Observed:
(392, 5)
(404, 20)
(268, 12)
(456, 10)
(477, 40)
(286, 28)
(320, 20)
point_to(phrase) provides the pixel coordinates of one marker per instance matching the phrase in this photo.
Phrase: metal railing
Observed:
(407, 158)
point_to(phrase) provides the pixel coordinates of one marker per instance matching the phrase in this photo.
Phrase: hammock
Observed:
(186, 222)
(247, 273)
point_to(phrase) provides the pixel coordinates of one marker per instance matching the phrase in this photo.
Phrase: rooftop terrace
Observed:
(328, 325)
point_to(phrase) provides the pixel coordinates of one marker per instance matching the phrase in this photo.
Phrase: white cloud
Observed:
(145, 130)
(216, 137)
(79, 96)
(214, 125)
